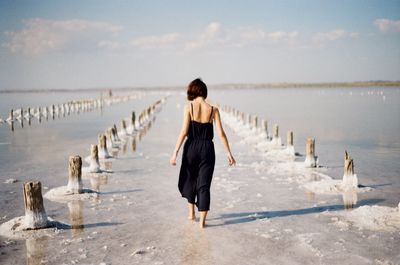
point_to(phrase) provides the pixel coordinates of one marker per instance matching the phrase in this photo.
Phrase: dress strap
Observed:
(209, 120)
(191, 114)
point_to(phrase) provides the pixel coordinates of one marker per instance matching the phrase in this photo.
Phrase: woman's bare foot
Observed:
(203, 215)
(192, 215)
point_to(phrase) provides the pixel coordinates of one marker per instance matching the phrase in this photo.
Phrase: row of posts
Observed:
(62, 110)
(251, 122)
(35, 214)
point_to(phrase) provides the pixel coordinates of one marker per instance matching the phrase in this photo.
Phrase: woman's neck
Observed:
(199, 99)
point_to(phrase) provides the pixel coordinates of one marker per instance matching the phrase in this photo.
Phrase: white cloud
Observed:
(214, 35)
(321, 38)
(41, 35)
(154, 41)
(386, 25)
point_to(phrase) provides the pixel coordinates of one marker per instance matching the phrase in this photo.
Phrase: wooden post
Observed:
(348, 164)
(103, 152)
(265, 127)
(255, 122)
(74, 175)
(310, 153)
(115, 131)
(290, 138)
(275, 131)
(35, 215)
(40, 114)
(29, 116)
(94, 166)
(123, 128)
(133, 120)
(21, 113)
(53, 110)
(310, 148)
(350, 179)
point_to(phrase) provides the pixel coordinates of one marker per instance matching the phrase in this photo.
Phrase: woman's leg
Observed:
(203, 215)
(191, 215)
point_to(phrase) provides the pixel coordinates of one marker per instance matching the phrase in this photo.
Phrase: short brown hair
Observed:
(196, 88)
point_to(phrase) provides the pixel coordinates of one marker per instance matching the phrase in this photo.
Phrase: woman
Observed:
(198, 159)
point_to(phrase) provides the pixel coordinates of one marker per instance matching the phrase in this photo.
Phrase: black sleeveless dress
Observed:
(198, 161)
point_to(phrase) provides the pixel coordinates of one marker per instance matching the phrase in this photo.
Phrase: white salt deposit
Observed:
(61, 194)
(375, 218)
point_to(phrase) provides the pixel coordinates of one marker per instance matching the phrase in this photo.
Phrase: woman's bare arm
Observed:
(223, 137)
(182, 135)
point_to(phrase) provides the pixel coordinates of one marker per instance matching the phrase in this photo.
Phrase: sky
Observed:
(52, 44)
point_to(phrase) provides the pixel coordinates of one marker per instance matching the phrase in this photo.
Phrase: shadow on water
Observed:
(59, 225)
(120, 191)
(244, 217)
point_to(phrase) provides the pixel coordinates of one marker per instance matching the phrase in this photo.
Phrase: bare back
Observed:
(202, 112)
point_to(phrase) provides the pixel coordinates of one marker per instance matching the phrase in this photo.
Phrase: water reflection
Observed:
(349, 198)
(36, 250)
(195, 246)
(124, 147)
(133, 144)
(76, 216)
(97, 181)
(107, 165)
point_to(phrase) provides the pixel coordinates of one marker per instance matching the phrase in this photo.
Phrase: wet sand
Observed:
(259, 215)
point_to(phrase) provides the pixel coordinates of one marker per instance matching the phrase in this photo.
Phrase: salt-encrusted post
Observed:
(21, 113)
(349, 178)
(40, 114)
(35, 215)
(255, 122)
(74, 175)
(265, 128)
(289, 138)
(103, 152)
(133, 120)
(94, 166)
(310, 153)
(114, 134)
(123, 127)
(275, 131)
(11, 118)
(53, 110)
(29, 116)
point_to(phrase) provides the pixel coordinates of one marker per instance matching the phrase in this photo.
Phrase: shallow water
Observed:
(363, 121)
(254, 214)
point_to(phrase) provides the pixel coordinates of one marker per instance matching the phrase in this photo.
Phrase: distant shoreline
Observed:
(360, 84)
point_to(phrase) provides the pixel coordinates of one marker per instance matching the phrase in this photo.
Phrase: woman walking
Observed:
(198, 158)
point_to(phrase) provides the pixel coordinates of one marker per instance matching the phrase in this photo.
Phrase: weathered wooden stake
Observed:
(53, 110)
(350, 179)
(35, 215)
(114, 134)
(310, 153)
(255, 122)
(103, 152)
(264, 127)
(133, 120)
(94, 166)
(290, 138)
(74, 175)
(275, 131)
(123, 127)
